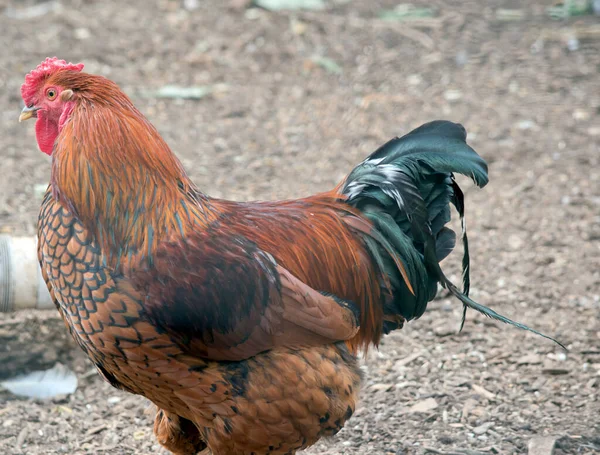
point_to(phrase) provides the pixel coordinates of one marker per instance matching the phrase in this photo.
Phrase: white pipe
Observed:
(21, 283)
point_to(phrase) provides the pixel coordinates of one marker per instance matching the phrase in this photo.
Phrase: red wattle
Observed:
(46, 132)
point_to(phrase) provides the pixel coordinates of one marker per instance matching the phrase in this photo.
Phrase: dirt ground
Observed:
(283, 122)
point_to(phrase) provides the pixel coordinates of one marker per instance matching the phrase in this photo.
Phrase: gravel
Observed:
(301, 98)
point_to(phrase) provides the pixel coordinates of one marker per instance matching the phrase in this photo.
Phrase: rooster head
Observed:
(47, 100)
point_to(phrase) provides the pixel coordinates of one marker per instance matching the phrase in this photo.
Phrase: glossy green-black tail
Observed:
(405, 189)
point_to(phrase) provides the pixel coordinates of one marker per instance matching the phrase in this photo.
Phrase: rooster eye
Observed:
(51, 94)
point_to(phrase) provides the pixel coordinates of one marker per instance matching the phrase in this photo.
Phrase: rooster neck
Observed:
(115, 173)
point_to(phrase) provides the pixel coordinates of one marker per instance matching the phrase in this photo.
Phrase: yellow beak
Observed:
(28, 112)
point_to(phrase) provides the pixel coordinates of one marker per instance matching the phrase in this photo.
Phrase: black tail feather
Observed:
(404, 188)
(458, 199)
(468, 302)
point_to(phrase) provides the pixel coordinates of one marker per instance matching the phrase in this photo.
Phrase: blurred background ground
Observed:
(296, 99)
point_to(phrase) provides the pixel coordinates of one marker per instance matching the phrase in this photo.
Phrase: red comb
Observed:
(48, 67)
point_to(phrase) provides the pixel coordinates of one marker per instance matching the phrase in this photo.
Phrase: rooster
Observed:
(240, 321)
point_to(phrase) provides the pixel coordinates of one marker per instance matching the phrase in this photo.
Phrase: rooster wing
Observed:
(223, 298)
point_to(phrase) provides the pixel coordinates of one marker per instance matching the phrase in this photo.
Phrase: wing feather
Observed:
(223, 298)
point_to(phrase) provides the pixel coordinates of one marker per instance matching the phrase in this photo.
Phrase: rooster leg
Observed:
(178, 435)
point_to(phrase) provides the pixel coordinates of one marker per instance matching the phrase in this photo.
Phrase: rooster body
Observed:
(240, 321)
(275, 402)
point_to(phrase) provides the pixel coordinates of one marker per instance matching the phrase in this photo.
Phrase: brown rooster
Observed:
(240, 321)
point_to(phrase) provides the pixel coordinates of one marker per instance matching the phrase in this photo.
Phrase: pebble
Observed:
(82, 33)
(542, 445)
(526, 125)
(426, 405)
(515, 242)
(483, 428)
(453, 95)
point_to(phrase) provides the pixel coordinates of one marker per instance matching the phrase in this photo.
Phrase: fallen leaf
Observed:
(569, 9)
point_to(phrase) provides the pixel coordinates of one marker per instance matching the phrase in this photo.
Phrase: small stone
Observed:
(543, 445)
(515, 242)
(580, 114)
(82, 33)
(453, 95)
(39, 189)
(446, 439)
(461, 58)
(414, 79)
(191, 5)
(483, 428)
(113, 400)
(573, 44)
(426, 405)
(560, 356)
(526, 125)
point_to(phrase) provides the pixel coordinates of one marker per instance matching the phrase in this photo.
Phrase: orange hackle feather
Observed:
(100, 178)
